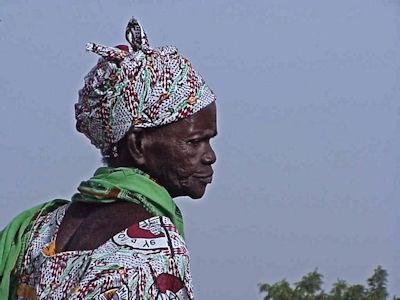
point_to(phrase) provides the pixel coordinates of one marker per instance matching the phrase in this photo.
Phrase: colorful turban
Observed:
(137, 86)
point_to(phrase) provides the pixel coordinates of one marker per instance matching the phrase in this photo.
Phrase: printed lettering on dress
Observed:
(145, 243)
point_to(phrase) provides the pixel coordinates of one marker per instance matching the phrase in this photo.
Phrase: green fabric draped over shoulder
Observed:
(106, 186)
(13, 244)
(132, 185)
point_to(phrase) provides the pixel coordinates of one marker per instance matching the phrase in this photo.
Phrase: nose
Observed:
(209, 156)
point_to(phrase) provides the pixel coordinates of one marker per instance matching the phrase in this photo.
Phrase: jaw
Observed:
(180, 183)
(194, 189)
(189, 187)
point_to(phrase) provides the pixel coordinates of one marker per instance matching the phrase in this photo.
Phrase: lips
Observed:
(205, 178)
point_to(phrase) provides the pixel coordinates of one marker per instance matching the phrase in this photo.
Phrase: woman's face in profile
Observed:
(179, 156)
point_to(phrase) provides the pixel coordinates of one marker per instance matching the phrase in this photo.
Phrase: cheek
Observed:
(168, 157)
(172, 157)
(184, 158)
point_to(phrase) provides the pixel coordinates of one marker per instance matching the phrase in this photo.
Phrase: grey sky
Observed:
(308, 167)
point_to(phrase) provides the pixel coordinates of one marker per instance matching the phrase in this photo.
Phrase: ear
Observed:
(135, 143)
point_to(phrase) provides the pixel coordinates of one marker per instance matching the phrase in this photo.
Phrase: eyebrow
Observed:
(203, 134)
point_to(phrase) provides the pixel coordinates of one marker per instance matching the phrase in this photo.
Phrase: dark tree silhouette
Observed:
(310, 288)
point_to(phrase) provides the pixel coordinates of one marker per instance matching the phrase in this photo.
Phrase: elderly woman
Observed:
(122, 236)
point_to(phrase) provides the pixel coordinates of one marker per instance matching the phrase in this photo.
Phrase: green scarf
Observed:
(106, 186)
(132, 185)
(14, 240)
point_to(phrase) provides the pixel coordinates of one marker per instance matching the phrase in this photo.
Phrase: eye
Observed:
(194, 142)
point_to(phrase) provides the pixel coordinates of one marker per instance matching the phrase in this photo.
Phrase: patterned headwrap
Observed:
(136, 85)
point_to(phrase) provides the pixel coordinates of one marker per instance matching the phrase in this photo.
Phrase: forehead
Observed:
(202, 122)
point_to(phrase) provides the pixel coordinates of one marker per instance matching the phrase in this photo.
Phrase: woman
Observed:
(122, 236)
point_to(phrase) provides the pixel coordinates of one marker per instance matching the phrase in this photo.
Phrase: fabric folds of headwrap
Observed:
(143, 87)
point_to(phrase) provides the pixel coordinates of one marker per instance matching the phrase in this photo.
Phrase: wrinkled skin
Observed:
(178, 156)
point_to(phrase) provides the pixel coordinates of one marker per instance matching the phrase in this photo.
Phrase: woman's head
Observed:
(142, 87)
(178, 156)
(150, 109)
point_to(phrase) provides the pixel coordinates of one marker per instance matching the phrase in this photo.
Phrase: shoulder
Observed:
(152, 259)
(86, 226)
(156, 233)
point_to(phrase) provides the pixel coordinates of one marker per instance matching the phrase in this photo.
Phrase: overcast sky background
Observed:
(308, 171)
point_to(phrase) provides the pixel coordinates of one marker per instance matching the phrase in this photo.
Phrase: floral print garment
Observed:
(148, 260)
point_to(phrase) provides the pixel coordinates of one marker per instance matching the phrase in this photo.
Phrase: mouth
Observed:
(205, 178)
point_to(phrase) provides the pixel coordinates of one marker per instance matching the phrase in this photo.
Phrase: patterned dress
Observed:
(148, 260)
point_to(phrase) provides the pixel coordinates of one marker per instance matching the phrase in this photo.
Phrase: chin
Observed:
(192, 189)
(196, 194)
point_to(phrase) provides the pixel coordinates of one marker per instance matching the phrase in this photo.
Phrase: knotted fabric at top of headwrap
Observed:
(144, 87)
